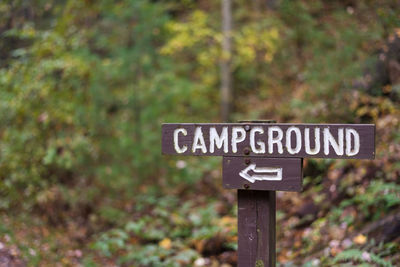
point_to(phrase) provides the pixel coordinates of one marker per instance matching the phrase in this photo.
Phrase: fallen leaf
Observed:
(165, 243)
(360, 239)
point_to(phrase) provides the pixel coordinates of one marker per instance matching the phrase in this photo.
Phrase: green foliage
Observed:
(378, 194)
(84, 103)
(322, 49)
(362, 257)
(166, 233)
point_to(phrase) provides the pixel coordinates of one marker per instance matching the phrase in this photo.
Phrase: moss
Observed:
(259, 263)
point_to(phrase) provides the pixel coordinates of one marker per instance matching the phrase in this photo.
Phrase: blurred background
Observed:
(85, 86)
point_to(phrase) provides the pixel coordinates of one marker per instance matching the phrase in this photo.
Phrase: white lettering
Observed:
(178, 149)
(289, 140)
(317, 141)
(198, 141)
(219, 140)
(262, 139)
(237, 139)
(330, 140)
(349, 151)
(260, 144)
(275, 140)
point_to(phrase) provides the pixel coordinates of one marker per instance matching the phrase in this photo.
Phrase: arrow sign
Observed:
(257, 173)
(265, 173)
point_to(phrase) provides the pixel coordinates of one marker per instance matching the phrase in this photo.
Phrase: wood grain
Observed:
(256, 228)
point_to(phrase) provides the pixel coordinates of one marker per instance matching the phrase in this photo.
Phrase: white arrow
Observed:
(269, 173)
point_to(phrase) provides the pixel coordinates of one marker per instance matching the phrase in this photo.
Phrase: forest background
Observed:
(85, 86)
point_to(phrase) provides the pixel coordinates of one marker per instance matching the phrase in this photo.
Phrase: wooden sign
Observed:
(262, 173)
(270, 140)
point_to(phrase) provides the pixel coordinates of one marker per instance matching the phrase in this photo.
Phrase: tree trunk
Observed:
(271, 4)
(226, 73)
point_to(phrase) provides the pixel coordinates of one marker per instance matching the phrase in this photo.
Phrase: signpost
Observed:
(261, 158)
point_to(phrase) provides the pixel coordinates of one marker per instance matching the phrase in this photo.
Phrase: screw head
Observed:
(246, 186)
(246, 151)
(247, 161)
(247, 127)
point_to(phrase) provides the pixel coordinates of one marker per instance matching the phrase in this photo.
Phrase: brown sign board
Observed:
(256, 173)
(281, 140)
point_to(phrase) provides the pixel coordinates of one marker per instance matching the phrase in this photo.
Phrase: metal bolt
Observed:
(247, 161)
(246, 151)
(246, 186)
(247, 127)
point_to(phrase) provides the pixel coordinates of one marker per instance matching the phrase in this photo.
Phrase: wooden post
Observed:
(256, 228)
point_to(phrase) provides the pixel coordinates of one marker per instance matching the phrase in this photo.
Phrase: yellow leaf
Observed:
(360, 239)
(165, 243)
(227, 221)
